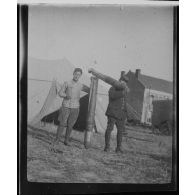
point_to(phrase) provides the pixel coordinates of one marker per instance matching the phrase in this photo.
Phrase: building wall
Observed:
(160, 95)
(136, 94)
(162, 111)
(149, 96)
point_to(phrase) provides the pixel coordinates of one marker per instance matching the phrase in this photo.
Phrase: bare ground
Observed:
(146, 158)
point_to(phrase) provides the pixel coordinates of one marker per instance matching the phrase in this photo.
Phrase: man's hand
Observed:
(90, 70)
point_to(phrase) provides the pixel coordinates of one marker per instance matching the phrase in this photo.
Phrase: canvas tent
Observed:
(45, 78)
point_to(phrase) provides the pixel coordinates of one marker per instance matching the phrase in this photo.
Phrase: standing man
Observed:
(117, 114)
(70, 92)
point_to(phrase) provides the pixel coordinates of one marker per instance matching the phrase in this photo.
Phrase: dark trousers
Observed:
(67, 118)
(120, 124)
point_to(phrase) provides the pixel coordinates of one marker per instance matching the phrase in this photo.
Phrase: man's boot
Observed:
(107, 141)
(67, 136)
(119, 142)
(119, 150)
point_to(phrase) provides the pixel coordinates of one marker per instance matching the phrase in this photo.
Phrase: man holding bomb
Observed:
(116, 111)
(116, 114)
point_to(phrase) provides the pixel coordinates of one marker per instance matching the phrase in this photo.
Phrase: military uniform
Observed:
(116, 113)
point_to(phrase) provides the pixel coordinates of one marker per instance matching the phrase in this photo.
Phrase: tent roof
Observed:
(60, 69)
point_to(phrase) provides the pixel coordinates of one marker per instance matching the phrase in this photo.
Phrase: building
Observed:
(143, 90)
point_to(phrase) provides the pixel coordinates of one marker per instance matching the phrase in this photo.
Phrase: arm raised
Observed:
(85, 88)
(107, 79)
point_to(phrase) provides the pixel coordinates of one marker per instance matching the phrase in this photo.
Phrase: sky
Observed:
(109, 39)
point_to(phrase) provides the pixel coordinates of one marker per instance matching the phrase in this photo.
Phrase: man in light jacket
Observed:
(70, 92)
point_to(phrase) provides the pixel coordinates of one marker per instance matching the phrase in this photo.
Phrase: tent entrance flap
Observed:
(81, 120)
(47, 104)
(51, 106)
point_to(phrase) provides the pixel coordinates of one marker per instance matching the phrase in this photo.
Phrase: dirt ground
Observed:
(146, 158)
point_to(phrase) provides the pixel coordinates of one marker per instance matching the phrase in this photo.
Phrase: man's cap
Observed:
(124, 78)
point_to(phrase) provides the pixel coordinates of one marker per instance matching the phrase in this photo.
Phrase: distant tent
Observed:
(44, 102)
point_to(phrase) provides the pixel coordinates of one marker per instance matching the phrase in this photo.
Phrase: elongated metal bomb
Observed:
(91, 111)
(107, 79)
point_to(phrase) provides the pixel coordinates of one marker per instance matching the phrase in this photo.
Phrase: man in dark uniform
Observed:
(117, 114)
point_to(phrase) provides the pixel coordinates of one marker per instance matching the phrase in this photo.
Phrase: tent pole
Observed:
(91, 111)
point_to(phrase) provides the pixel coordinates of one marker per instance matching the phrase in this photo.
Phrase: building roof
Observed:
(156, 83)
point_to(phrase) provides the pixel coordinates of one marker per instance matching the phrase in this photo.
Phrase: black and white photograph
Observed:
(100, 93)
